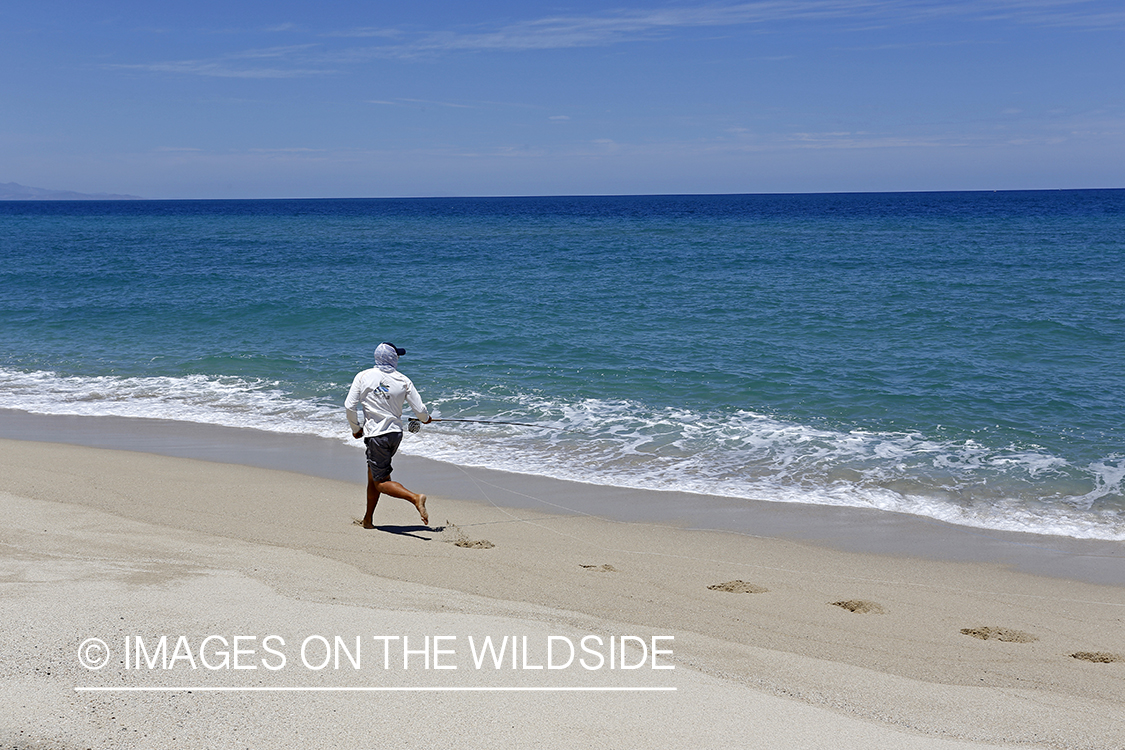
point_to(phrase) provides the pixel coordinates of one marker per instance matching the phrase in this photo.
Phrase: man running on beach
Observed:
(381, 391)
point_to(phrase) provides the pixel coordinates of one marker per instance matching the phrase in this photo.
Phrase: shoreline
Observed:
(845, 529)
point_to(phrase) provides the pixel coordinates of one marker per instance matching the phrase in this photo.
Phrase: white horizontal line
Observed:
(370, 689)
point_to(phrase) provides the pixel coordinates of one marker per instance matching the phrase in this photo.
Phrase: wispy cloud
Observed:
(366, 31)
(293, 150)
(628, 25)
(291, 61)
(849, 140)
(1079, 14)
(438, 104)
(912, 45)
(617, 26)
(631, 25)
(420, 102)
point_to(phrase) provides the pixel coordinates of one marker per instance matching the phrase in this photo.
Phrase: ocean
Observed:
(959, 356)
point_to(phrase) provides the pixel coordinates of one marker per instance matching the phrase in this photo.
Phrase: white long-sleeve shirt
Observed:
(381, 394)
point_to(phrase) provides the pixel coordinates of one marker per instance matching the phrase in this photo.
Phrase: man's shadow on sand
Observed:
(410, 531)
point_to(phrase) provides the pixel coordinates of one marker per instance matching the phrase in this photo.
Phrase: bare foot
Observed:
(421, 506)
(366, 523)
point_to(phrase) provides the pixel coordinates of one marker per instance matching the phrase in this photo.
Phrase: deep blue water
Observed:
(957, 355)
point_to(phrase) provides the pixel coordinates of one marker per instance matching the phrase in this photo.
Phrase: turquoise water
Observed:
(954, 355)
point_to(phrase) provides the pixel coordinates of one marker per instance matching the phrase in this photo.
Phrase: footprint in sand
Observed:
(600, 568)
(1007, 635)
(474, 544)
(738, 587)
(1100, 657)
(459, 539)
(861, 606)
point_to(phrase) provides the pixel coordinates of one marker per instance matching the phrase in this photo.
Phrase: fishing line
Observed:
(416, 425)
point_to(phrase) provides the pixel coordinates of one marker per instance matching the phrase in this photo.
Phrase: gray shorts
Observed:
(379, 451)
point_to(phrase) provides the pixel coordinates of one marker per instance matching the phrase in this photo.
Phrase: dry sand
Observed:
(776, 643)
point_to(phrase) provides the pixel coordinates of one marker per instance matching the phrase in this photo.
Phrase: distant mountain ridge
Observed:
(12, 191)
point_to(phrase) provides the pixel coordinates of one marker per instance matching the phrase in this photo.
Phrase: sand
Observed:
(763, 642)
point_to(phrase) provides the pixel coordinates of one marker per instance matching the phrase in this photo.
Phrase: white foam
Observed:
(233, 402)
(622, 443)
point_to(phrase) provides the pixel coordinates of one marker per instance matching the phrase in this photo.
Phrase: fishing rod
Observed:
(416, 425)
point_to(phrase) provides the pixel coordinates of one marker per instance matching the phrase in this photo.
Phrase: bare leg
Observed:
(372, 501)
(394, 489)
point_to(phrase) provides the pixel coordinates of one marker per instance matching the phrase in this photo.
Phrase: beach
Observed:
(722, 638)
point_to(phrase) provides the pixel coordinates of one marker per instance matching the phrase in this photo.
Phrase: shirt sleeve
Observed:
(415, 402)
(350, 405)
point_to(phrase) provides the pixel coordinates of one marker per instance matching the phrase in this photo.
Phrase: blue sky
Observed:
(335, 99)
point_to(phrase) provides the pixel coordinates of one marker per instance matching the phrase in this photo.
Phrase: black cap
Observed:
(398, 351)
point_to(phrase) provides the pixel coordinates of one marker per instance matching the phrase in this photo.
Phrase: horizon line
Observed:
(498, 196)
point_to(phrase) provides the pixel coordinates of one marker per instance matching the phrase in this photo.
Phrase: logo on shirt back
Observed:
(383, 390)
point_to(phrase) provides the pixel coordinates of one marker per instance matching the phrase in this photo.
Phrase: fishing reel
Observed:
(414, 425)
